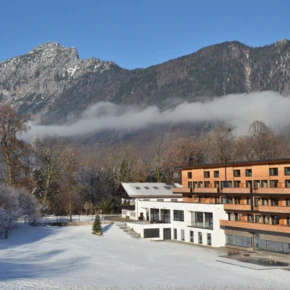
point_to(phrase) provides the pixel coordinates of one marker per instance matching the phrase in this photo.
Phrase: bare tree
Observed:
(12, 125)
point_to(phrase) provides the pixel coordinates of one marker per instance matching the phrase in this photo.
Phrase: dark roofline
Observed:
(237, 164)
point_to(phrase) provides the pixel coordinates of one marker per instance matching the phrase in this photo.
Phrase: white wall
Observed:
(217, 234)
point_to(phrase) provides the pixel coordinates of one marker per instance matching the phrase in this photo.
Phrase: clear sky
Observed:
(139, 33)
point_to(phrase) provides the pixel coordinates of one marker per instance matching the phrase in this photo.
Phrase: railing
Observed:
(270, 190)
(206, 190)
(236, 190)
(256, 226)
(237, 207)
(276, 209)
(182, 190)
(128, 213)
(201, 225)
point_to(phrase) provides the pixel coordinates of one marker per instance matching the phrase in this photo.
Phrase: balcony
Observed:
(205, 190)
(200, 225)
(274, 209)
(236, 190)
(256, 226)
(276, 190)
(182, 190)
(243, 207)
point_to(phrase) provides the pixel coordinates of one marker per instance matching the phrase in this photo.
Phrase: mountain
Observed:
(51, 83)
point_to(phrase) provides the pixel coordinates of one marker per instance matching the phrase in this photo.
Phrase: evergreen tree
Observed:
(97, 228)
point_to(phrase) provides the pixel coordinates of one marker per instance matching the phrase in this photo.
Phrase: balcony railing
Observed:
(256, 226)
(201, 225)
(205, 190)
(275, 209)
(236, 190)
(237, 207)
(276, 190)
(182, 190)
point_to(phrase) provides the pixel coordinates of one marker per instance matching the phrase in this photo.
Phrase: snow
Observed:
(72, 258)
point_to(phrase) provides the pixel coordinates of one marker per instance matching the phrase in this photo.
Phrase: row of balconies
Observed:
(256, 226)
(261, 208)
(276, 190)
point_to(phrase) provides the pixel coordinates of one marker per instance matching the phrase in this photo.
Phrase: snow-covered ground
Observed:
(72, 258)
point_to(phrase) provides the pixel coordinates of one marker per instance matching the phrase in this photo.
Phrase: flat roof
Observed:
(149, 189)
(237, 164)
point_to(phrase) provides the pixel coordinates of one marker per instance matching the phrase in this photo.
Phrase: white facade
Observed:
(198, 224)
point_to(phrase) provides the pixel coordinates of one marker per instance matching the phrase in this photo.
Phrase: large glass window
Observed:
(178, 215)
(273, 171)
(239, 241)
(256, 184)
(248, 172)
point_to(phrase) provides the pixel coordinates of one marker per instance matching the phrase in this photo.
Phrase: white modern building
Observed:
(161, 215)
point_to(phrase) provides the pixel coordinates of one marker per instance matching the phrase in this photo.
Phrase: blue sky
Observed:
(139, 33)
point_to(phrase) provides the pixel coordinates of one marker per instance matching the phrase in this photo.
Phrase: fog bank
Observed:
(239, 110)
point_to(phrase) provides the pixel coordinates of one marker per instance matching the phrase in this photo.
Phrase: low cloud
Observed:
(239, 110)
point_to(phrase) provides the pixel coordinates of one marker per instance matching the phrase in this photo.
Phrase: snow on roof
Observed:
(150, 189)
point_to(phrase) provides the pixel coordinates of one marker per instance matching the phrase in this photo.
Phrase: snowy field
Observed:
(72, 258)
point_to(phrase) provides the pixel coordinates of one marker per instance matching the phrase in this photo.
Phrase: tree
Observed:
(218, 144)
(70, 166)
(12, 125)
(97, 228)
(262, 141)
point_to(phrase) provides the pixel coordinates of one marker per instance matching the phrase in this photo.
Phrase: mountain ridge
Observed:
(51, 82)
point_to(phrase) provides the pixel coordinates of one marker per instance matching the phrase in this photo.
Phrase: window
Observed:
(264, 183)
(287, 201)
(199, 199)
(189, 184)
(275, 220)
(266, 219)
(160, 199)
(206, 174)
(257, 218)
(288, 221)
(199, 237)
(249, 183)
(273, 183)
(287, 170)
(237, 173)
(175, 234)
(182, 235)
(216, 174)
(155, 187)
(194, 184)
(178, 215)
(265, 201)
(174, 200)
(287, 183)
(256, 184)
(274, 202)
(206, 184)
(216, 184)
(239, 241)
(189, 174)
(226, 184)
(209, 239)
(146, 187)
(237, 200)
(256, 202)
(248, 172)
(237, 183)
(249, 200)
(191, 236)
(167, 187)
(137, 187)
(273, 171)
(250, 218)
(199, 184)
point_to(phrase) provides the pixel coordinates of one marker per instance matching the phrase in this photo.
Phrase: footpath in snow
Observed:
(72, 258)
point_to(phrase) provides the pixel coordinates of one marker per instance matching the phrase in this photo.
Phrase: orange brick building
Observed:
(256, 198)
